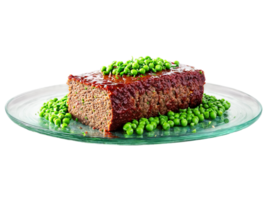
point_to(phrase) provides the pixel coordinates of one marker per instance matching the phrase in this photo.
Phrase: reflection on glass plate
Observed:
(244, 111)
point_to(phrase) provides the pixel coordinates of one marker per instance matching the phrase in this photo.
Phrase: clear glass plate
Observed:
(245, 110)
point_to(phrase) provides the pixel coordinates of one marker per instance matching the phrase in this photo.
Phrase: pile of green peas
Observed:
(138, 66)
(56, 111)
(209, 109)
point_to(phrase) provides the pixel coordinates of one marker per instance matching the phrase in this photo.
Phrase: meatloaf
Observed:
(107, 102)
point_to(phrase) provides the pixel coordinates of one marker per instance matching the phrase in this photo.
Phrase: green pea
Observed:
(51, 118)
(209, 110)
(147, 56)
(114, 71)
(142, 123)
(210, 104)
(129, 131)
(42, 114)
(119, 63)
(171, 123)
(66, 120)
(194, 130)
(126, 126)
(151, 65)
(104, 68)
(206, 105)
(127, 70)
(189, 119)
(222, 109)
(189, 112)
(192, 124)
(135, 65)
(151, 119)
(50, 105)
(182, 117)
(226, 106)
(149, 127)
(142, 71)
(109, 69)
(215, 108)
(133, 72)
(201, 110)
(182, 110)
(171, 117)
(68, 115)
(204, 101)
(195, 120)
(166, 126)
(201, 117)
(170, 113)
(135, 122)
(146, 68)
(154, 125)
(213, 115)
(184, 122)
(141, 62)
(147, 62)
(129, 66)
(220, 113)
(158, 68)
(176, 63)
(143, 119)
(176, 115)
(60, 116)
(46, 116)
(168, 65)
(62, 112)
(64, 125)
(176, 122)
(57, 122)
(196, 112)
(134, 126)
(139, 131)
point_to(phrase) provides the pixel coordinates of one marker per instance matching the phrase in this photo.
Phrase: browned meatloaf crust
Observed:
(106, 102)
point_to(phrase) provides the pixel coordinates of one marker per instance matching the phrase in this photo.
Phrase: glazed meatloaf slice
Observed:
(107, 102)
